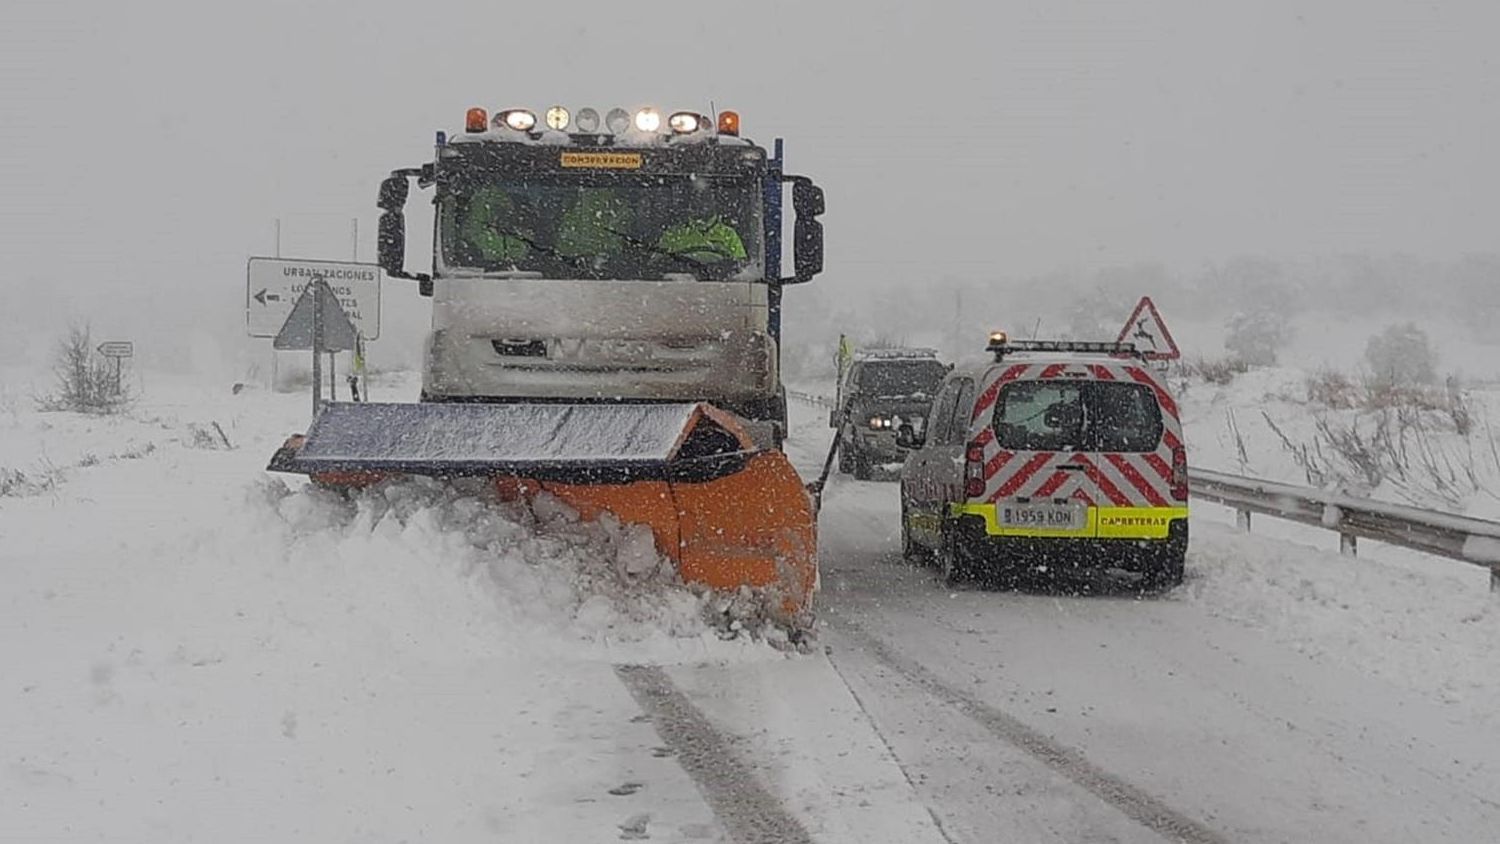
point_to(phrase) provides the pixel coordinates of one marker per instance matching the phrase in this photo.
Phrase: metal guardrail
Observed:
(810, 398)
(1474, 541)
(1469, 540)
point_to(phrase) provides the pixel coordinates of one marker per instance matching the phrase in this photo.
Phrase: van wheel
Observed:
(862, 469)
(956, 560)
(911, 552)
(1168, 571)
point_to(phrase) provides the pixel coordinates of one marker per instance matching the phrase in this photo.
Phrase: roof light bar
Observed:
(1001, 345)
(617, 121)
(896, 354)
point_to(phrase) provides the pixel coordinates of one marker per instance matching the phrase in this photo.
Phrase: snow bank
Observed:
(1427, 628)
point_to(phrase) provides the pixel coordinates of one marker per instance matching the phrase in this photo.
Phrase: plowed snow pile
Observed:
(552, 582)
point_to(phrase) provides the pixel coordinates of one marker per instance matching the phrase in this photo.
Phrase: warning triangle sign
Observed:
(1149, 333)
(297, 332)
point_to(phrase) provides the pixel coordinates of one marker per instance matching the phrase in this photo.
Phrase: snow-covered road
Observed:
(1109, 717)
(192, 651)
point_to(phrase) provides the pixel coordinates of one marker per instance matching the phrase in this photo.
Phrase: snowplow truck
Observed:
(606, 326)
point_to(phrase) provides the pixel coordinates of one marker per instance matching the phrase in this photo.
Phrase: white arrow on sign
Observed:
(273, 286)
(117, 349)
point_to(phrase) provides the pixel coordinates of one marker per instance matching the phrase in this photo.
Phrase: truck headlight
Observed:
(648, 120)
(519, 119)
(588, 120)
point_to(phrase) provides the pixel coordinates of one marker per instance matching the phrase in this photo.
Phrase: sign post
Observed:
(317, 323)
(117, 350)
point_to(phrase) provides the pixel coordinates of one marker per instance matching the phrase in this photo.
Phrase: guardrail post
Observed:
(1348, 544)
(1242, 520)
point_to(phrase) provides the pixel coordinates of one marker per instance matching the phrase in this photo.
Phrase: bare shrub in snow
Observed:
(1256, 337)
(15, 483)
(85, 381)
(1221, 371)
(1405, 449)
(1334, 389)
(1400, 358)
(1458, 407)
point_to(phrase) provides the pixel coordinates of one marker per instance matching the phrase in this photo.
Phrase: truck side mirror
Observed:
(391, 242)
(393, 192)
(907, 438)
(807, 233)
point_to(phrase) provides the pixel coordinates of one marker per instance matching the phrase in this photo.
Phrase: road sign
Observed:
(273, 286)
(117, 349)
(301, 328)
(1149, 333)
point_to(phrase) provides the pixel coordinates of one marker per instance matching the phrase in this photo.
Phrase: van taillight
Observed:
(974, 471)
(1179, 474)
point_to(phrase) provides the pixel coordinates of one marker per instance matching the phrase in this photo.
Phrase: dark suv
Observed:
(883, 390)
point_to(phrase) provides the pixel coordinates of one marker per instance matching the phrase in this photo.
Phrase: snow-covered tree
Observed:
(1256, 336)
(1401, 356)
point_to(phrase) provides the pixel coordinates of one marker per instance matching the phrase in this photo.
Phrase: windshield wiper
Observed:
(540, 247)
(643, 246)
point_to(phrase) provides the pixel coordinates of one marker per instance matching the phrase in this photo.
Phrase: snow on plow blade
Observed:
(726, 513)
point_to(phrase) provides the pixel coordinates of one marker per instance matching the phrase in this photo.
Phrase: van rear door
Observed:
(1035, 477)
(1076, 450)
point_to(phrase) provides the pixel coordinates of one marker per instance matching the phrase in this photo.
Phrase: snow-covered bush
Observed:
(1221, 371)
(85, 381)
(1334, 389)
(1256, 336)
(1400, 358)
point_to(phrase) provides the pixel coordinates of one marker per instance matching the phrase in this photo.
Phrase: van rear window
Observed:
(1058, 415)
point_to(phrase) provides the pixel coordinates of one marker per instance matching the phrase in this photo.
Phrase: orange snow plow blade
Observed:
(726, 513)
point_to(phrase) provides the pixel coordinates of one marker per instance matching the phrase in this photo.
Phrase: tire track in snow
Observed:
(750, 813)
(1134, 802)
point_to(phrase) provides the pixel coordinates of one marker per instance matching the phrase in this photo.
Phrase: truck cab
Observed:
(633, 259)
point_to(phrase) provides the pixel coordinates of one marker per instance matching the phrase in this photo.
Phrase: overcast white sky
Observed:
(145, 147)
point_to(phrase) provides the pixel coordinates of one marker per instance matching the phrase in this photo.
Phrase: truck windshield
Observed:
(594, 227)
(901, 379)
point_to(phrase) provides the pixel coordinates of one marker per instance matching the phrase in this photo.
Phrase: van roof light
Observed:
(1001, 345)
